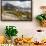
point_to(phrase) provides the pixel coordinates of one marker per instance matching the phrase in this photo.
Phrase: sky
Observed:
(19, 3)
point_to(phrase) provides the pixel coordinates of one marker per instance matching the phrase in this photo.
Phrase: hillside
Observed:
(19, 12)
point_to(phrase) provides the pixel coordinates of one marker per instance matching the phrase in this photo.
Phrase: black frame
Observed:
(16, 20)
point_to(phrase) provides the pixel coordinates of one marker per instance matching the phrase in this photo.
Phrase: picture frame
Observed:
(8, 12)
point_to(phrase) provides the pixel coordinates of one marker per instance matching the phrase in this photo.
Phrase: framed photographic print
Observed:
(16, 10)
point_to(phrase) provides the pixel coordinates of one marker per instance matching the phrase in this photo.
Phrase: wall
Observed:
(27, 28)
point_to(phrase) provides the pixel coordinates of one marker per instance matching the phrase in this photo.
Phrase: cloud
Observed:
(18, 3)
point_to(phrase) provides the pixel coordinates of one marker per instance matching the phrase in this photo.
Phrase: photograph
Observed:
(16, 10)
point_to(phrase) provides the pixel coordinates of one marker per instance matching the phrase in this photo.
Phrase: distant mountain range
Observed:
(8, 6)
(20, 12)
